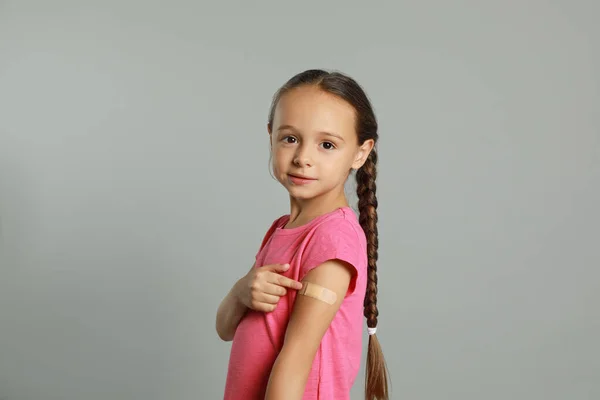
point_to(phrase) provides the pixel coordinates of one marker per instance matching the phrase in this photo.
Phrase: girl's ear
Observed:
(363, 153)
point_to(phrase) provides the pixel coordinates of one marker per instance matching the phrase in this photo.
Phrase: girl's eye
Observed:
(328, 146)
(288, 138)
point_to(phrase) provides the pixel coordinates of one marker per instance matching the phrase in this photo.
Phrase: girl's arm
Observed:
(230, 313)
(259, 290)
(308, 323)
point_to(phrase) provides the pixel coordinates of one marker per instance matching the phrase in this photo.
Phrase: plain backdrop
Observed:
(134, 189)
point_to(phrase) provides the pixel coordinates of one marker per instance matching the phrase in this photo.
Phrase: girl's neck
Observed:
(303, 211)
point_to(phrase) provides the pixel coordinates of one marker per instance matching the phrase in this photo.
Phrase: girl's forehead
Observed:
(310, 108)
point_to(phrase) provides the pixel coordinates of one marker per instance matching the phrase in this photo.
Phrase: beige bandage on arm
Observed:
(318, 292)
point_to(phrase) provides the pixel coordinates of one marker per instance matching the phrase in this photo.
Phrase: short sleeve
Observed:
(335, 239)
(268, 235)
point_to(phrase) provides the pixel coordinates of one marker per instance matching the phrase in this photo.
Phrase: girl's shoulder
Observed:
(344, 219)
(342, 226)
(339, 236)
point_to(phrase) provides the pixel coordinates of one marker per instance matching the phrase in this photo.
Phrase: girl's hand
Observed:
(262, 287)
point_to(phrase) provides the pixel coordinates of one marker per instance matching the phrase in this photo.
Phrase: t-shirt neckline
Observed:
(280, 230)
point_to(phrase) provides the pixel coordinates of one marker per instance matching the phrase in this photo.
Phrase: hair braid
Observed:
(376, 371)
(367, 205)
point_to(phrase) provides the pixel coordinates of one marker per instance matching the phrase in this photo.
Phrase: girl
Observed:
(286, 344)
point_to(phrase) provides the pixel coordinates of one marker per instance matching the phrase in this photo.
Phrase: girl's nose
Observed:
(302, 161)
(303, 158)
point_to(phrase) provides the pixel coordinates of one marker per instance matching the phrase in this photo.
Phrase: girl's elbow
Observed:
(224, 336)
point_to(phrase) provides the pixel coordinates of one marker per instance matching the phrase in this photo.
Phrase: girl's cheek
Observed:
(275, 169)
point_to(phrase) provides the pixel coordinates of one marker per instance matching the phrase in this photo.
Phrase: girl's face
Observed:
(314, 142)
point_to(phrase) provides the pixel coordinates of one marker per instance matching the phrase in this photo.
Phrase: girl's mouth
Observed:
(296, 180)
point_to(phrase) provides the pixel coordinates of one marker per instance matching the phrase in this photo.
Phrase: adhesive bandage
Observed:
(318, 292)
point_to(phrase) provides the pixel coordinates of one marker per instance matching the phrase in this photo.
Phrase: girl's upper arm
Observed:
(311, 317)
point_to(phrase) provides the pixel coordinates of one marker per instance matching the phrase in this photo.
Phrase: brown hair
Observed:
(341, 85)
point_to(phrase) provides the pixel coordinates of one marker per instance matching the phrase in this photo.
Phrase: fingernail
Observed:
(286, 266)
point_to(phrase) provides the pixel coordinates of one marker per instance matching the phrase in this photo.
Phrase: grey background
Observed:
(134, 189)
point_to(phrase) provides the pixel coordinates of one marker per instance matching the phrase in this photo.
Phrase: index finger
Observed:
(287, 282)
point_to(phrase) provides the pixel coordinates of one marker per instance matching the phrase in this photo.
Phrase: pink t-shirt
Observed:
(259, 336)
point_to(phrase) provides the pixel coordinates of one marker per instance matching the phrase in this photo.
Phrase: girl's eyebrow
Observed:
(334, 135)
(292, 128)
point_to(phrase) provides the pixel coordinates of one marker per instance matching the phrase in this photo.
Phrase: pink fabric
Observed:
(259, 336)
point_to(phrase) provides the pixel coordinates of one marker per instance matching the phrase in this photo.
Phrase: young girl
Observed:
(288, 344)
